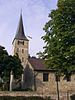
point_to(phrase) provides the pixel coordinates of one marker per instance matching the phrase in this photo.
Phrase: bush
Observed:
(19, 89)
(23, 98)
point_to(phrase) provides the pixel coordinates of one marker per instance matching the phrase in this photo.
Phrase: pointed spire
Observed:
(20, 30)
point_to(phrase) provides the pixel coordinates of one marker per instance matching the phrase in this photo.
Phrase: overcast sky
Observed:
(35, 15)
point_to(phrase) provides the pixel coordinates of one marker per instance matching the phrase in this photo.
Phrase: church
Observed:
(21, 47)
(35, 74)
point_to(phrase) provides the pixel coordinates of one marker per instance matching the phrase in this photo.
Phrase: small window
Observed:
(45, 77)
(22, 59)
(18, 42)
(67, 78)
(17, 49)
(23, 42)
(22, 50)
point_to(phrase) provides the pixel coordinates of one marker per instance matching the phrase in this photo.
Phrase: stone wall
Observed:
(51, 85)
(63, 96)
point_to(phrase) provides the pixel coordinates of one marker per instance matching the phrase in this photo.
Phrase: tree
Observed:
(60, 38)
(12, 63)
(9, 63)
(40, 55)
(3, 53)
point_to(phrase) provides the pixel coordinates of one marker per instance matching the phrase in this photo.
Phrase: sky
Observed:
(35, 15)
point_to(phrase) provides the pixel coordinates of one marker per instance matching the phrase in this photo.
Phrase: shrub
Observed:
(23, 98)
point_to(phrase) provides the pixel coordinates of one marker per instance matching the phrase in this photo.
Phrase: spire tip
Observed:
(21, 11)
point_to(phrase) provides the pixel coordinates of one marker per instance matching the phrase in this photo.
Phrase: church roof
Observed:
(37, 63)
(20, 30)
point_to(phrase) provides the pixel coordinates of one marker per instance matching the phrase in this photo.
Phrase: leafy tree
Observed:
(40, 55)
(3, 53)
(9, 63)
(12, 63)
(60, 37)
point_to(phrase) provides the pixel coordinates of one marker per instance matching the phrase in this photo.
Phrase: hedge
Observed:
(23, 98)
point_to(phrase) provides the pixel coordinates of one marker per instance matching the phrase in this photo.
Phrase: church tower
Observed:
(20, 43)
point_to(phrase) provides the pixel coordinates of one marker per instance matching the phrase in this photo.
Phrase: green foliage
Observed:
(9, 63)
(12, 63)
(20, 89)
(60, 37)
(40, 55)
(3, 54)
(23, 98)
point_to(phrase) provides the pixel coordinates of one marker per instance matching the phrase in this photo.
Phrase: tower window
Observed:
(23, 42)
(45, 77)
(18, 42)
(22, 50)
(22, 59)
(17, 49)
